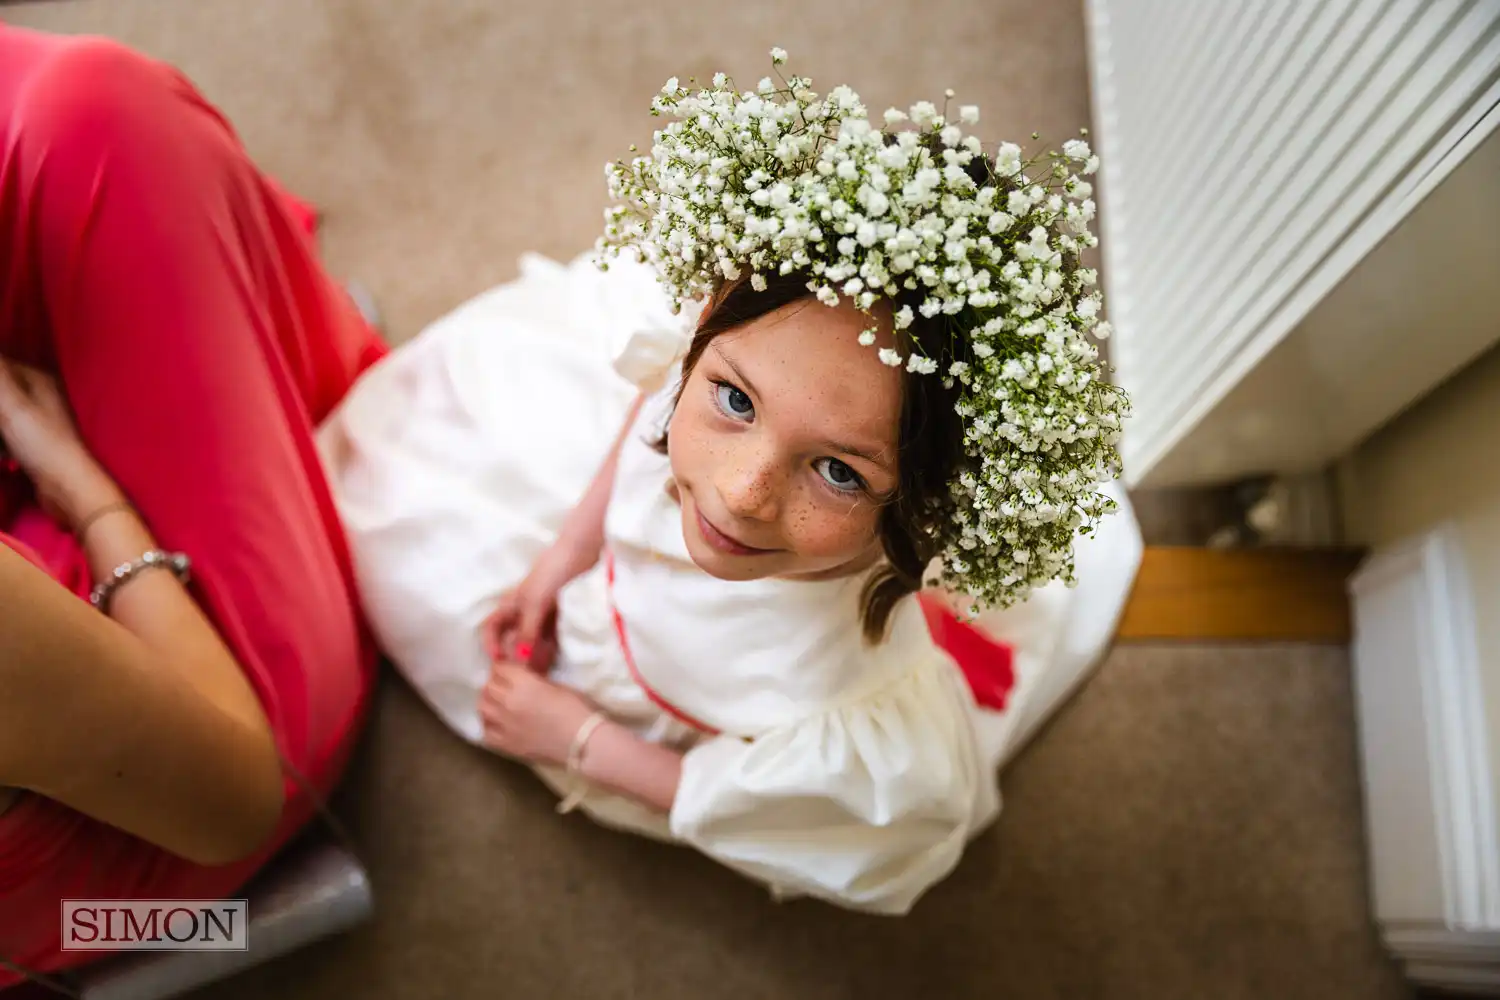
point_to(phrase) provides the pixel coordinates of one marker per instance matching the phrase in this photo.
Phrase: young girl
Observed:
(721, 643)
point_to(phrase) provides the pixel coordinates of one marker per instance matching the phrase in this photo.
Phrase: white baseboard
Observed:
(1429, 781)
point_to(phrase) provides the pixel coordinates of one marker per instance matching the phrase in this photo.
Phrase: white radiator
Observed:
(1426, 753)
(1253, 154)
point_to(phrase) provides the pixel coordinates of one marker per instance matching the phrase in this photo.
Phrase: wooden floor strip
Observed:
(1241, 594)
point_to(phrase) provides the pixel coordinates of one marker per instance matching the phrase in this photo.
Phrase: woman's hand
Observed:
(528, 716)
(523, 626)
(37, 430)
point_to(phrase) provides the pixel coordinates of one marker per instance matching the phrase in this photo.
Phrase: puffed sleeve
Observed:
(654, 341)
(866, 806)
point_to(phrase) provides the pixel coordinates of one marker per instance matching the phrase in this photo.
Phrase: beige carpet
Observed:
(1188, 828)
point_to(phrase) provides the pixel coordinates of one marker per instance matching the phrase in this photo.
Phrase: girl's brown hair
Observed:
(930, 437)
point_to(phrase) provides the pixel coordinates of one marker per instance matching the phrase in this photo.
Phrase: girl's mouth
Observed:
(726, 543)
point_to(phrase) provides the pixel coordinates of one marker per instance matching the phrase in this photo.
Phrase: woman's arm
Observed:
(158, 611)
(145, 721)
(149, 733)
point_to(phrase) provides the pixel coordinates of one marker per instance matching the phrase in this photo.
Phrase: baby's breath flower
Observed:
(1008, 159)
(1076, 149)
(781, 179)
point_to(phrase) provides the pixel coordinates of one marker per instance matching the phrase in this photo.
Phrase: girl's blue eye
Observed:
(734, 402)
(838, 475)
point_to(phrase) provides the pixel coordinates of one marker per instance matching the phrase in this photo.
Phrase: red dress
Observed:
(176, 293)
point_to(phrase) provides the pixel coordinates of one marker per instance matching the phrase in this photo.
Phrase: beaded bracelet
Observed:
(178, 563)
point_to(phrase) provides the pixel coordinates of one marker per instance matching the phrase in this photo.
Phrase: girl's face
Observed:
(783, 446)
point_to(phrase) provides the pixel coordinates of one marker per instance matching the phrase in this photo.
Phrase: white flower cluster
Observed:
(783, 180)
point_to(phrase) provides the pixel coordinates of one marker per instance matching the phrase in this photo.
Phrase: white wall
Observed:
(1440, 462)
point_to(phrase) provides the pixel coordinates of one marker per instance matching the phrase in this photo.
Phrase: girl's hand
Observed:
(528, 716)
(37, 430)
(523, 626)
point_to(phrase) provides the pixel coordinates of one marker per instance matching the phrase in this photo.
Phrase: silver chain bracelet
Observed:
(178, 563)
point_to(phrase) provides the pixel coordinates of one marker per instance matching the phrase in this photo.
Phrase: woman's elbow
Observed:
(250, 819)
(233, 842)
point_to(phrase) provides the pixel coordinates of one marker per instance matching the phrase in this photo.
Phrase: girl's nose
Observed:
(750, 484)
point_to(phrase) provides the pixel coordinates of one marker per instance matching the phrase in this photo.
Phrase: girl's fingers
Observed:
(496, 630)
(541, 657)
(506, 674)
(494, 692)
(502, 678)
(500, 619)
(537, 622)
(494, 647)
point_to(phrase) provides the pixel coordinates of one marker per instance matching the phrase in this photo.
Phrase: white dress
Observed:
(813, 762)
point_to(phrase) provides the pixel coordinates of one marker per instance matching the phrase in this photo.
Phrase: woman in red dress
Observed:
(168, 342)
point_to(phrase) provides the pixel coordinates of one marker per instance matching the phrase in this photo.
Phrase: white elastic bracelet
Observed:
(575, 761)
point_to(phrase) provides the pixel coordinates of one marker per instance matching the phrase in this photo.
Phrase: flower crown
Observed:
(783, 180)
